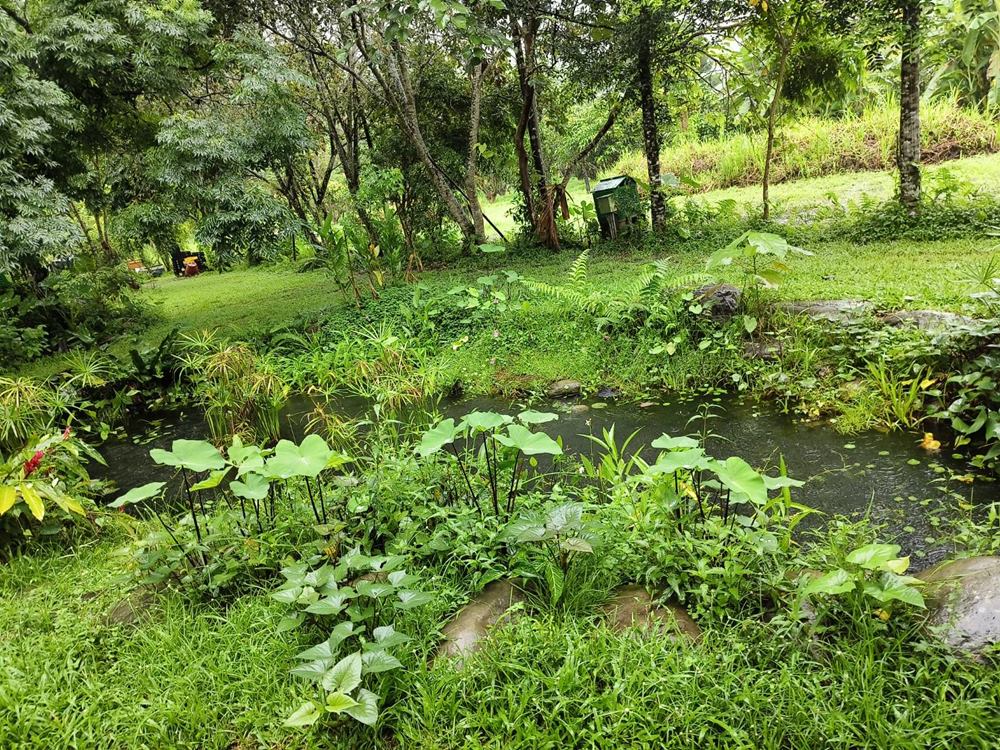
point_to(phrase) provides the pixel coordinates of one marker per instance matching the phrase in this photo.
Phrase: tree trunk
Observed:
(543, 217)
(772, 114)
(908, 151)
(650, 132)
(471, 188)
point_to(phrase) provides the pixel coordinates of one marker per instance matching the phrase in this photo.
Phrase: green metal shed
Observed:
(616, 200)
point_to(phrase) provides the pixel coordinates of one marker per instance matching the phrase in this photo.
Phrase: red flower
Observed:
(67, 432)
(32, 463)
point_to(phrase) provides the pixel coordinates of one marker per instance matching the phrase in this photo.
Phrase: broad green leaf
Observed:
(33, 500)
(307, 459)
(692, 458)
(374, 589)
(306, 715)
(436, 438)
(8, 496)
(287, 595)
(873, 556)
(749, 323)
(894, 587)
(337, 703)
(536, 417)
(138, 494)
(667, 443)
(328, 648)
(412, 599)
(835, 582)
(528, 442)
(313, 670)
(741, 478)
(210, 482)
(379, 661)
(400, 578)
(193, 455)
(345, 675)
(251, 487)
(575, 544)
(367, 709)
(483, 421)
(387, 637)
(289, 622)
(777, 483)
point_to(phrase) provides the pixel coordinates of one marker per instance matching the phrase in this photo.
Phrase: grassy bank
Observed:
(815, 147)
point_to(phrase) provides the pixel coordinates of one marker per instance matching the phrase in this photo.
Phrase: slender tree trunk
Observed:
(650, 131)
(471, 188)
(543, 217)
(772, 114)
(908, 151)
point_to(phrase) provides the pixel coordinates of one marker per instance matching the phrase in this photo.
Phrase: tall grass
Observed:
(814, 147)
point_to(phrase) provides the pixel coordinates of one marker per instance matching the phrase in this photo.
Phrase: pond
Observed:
(887, 476)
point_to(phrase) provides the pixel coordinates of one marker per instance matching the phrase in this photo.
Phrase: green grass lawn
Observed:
(982, 172)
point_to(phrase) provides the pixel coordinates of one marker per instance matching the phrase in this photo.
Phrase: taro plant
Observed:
(560, 536)
(874, 572)
(349, 666)
(491, 451)
(251, 493)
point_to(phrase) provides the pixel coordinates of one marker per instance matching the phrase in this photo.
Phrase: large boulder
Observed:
(835, 310)
(722, 300)
(564, 389)
(633, 606)
(464, 634)
(935, 322)
(963, 600)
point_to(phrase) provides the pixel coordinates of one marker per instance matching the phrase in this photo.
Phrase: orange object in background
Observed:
(191, 267)
(136, 265)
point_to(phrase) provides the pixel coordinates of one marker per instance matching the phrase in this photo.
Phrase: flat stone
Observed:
(722, 300)
(767, 350)
(579, 409)
(963, 600)
(464, 634)
(564, 389)
(935, 321)
(130, 610)
(632, 606)
(835, 310)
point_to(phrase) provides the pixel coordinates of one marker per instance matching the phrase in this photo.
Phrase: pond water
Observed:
(887, 476)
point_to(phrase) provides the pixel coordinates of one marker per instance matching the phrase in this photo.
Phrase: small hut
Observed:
(616, 200)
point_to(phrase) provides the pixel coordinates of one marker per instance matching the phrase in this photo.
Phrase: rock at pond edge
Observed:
(963, 602)
(632, 606)
(564, 389)
(464, 634)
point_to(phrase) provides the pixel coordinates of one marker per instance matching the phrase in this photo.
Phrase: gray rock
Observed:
(564, 389)
(579, 409)
(131, 609)
(632, 606)
(935, 321)
(768, 350)
(963, 600)
(836, 310)
(723, 300)
(464, 634)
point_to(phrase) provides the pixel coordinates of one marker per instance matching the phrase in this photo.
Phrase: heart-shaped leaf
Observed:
(306, 715)
(436, 438)
(741, 478)
(536, 417)
(251, 487)
(367, 709)
(193, 455)
(528, 442)
(345, 675)
(667, 443)
(307, 459)
(138, 494)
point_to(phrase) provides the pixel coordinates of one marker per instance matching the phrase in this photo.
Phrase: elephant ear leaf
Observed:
(436, 438)
(528, 442)
(138, 494)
